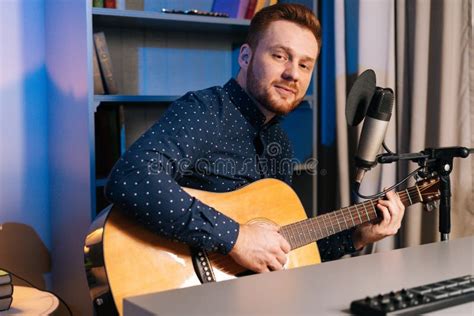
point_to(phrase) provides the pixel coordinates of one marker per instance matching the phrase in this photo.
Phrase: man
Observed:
(221, 138)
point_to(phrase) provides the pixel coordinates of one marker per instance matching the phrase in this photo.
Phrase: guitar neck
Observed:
(310, 230)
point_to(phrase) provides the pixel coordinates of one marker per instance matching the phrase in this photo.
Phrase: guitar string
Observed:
(333, 217)
(339, 215)
(404, 196)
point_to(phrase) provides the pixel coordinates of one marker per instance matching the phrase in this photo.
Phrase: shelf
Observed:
(116, 99)
(113, 98)
(169, 22)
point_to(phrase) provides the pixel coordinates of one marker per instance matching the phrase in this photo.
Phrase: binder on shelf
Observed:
(98, 84)
(105, 63)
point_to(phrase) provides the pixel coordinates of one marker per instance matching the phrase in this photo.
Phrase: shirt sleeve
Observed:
(144, 182)
(336, 246)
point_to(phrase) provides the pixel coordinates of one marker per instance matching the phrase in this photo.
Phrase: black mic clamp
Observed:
(435, 161)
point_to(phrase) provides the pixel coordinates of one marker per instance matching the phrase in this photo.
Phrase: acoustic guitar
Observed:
(123, 259)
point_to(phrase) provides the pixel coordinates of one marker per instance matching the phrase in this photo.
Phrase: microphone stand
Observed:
(440, 162)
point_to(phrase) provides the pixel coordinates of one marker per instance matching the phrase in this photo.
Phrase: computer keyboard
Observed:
(420, 299)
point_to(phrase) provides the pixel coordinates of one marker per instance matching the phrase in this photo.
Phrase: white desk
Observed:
(324, 289)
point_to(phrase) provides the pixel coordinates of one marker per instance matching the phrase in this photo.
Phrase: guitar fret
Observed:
(303, 231)
(313, 233)
(306, 232)
(419, 193)
(299, 233)
(333, 224)
(352, 217)
(317, 231)
(293, 235)
(374, 204)
(328, 217)
(367, 213)
(409, 197)
(319, 225)
(373, 209)
(287, 233)
(335, 215)
(357, 210)
(347, 226)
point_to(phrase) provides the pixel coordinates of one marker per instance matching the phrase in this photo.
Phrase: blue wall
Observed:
(25, 216)
(24, 117)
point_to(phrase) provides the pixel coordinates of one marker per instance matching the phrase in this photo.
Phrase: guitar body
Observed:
(124, 259)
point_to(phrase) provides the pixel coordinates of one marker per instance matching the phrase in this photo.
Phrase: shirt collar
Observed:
(246, 106)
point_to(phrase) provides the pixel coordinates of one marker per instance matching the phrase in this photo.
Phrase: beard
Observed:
(272, 102)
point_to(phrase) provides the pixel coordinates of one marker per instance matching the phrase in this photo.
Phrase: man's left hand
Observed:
(392, 210)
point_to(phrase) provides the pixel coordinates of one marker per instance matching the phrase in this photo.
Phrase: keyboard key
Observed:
(454, 291)
(422, 289)
(466, 288)
(438, 294)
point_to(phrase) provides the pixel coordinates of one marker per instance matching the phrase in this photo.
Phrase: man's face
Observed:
(281, 66)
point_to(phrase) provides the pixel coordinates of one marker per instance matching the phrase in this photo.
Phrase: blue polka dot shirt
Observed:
(215, 140)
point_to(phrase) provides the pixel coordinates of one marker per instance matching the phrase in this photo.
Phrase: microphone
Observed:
(373, 132)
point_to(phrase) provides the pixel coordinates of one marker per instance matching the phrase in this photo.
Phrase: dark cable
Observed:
(386, 148)
(381, 194)
(32, 285)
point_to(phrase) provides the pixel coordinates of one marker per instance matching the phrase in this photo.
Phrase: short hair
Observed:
(295, 13)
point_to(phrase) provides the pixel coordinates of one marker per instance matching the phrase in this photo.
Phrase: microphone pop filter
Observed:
(359, 97)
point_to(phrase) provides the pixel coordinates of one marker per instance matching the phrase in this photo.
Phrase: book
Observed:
(5, 277)
(242, 9)
(5, 302)
(120, 5)
(111, 4)
(260, 5)
(98, 84)
(105, 63)
(98, 3)
(6, 289)
(250, 9)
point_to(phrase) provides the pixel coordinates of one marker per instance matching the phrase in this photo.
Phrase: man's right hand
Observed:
(260, 247)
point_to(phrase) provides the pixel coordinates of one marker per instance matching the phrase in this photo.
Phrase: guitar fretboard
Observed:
(309, 230)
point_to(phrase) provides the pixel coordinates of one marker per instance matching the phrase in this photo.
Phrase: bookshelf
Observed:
(168, 22)
(156, 58)
(143, 46)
